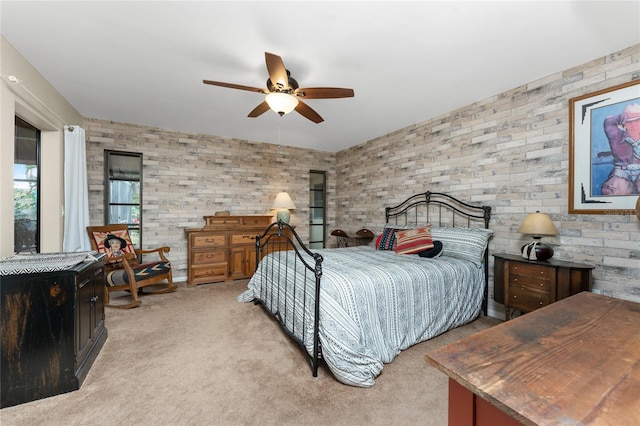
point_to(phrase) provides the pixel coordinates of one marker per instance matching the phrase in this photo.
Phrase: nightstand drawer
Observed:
(212, 256)
(209, 241)
(535, 277)
(534, 283)
(526, 299)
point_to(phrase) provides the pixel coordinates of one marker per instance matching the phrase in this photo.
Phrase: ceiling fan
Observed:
(283, 94)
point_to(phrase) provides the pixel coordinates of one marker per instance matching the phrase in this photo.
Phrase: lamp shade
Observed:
(538, 224)
(283, 201)
(283, 204)
(282, 103)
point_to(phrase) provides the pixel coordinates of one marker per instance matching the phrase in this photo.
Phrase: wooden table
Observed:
(576, 361)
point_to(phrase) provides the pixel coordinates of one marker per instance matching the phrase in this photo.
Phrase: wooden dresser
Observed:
(225, 248)
(526, 285)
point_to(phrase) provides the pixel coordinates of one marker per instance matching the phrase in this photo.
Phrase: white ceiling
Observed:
(143, 62)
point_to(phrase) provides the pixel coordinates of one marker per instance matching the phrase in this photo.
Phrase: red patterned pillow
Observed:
(114, 243)
(411, 241)
(387, 241)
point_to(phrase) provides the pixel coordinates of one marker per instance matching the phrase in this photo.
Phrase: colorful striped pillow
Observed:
(387, 241)
(411, 241)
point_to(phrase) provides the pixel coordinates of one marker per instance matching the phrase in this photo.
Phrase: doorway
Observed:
(317, 212)
(26, 188)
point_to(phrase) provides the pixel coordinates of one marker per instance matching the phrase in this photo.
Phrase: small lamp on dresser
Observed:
(537, 225)
(283, 204)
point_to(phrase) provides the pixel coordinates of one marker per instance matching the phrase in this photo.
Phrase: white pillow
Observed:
(463, 243)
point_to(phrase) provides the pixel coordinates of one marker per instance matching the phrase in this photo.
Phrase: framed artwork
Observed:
(604, 151)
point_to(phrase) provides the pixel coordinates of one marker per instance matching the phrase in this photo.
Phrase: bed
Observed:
(357, 308)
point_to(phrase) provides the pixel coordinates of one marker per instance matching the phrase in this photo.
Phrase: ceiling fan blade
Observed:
(277, 71)
(235, 86)
(324, 92)
(259, 110)
(308, 112)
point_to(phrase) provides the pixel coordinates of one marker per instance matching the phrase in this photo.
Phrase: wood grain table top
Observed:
(576, 361)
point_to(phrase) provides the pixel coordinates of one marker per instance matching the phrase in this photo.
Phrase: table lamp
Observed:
(537, 224)
(283, 204)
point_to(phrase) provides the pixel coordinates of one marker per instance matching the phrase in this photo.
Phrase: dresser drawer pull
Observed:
(515, 280)
(210, 240)
(515, 297)
(541, 272)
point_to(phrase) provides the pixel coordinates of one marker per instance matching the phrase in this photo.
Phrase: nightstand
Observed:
(526, 285)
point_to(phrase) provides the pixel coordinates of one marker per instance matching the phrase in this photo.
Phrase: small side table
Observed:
(526, 285)
(362, 237)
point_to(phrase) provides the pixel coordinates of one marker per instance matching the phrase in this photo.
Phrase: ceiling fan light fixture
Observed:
(282, 103)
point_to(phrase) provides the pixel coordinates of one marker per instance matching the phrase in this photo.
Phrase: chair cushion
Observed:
(141, 272)
(114, 243)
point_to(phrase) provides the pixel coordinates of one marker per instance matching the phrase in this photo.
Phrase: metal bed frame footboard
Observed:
(277, 255)
(443, 210)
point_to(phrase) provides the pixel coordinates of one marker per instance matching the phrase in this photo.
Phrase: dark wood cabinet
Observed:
(526, 285)
(52, 329)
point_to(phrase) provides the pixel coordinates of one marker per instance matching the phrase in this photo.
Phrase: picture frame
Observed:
(604, 173)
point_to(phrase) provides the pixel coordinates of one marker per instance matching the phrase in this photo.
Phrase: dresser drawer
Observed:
(257, 220)
(245, 238)
(222, 220)
(527, 300)
(209, 274)
(211, 256)
(200, 241)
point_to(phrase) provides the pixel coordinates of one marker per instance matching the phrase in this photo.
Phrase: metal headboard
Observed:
(448, 211)
(424, 208)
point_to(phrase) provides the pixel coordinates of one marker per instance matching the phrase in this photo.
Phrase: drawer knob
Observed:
(541, 303)
(515, 297)
(209, 240)
(515, 280)
(541, 284)
(541, 272)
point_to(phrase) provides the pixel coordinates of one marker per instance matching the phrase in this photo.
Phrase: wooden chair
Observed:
(123, 271)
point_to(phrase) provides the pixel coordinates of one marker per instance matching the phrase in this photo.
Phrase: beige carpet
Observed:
(198, 357)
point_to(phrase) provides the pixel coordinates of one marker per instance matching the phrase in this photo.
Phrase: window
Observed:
(317, 183)
(123, 192)
(26, 187)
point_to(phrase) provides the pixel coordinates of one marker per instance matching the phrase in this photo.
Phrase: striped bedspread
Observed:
(374, 304)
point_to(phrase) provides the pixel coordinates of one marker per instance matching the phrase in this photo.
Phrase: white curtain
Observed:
(76, 191)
